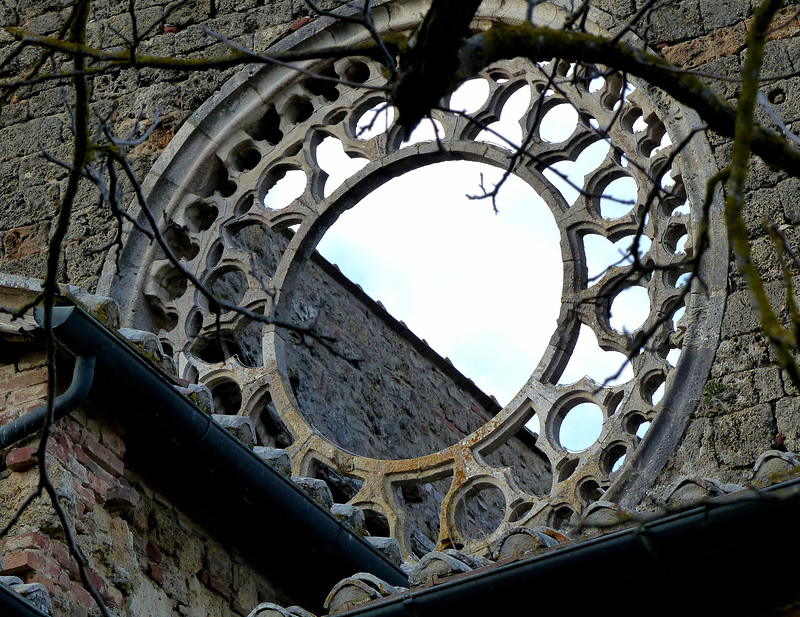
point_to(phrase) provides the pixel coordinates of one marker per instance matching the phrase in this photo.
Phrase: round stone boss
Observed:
(267, 121)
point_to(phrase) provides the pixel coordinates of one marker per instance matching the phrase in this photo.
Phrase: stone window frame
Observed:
(206, 167)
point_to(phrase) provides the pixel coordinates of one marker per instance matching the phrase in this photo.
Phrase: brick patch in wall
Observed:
(214, 584)
(113, 597)
(21, 542)
(111, 440)
(36, 392)
(81, 595)
(155, 572)
(22, 380)
(65, 560)
(25, 241)
(20, 459)
(727, 41)
(121, 498)
(153, 552)
(93, 455)
(35, 577)
(21, 563)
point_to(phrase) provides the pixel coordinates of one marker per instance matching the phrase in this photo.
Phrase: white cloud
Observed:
(482, 288)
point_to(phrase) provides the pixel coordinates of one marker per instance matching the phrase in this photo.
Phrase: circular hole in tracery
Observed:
(618, 198)
(658, 394)
(427, 130)
(673, 355)
(629, 309)
(470, 96)
(357, 72)
(339, 166)
(228, 285)
(568, 176)
(590, 491)
(447, 265)
(480, 512)
(200, 215)
(507, 131)
(588, 359)
(677, 316)
(653, 388)
(227, 396)
(596, 84)
(561, 519)
(613, 457)
(581, 427)
(299, 110)
(284, 189)
(375, 121)
(558, 123)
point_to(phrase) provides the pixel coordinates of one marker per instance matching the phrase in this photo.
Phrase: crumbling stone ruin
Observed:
(365, 464)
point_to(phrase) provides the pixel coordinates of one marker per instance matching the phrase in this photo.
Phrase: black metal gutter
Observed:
(12, 604)
(221, 483)
(737, 556)
(63, 405)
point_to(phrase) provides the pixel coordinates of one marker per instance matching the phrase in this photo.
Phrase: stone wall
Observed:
(388, 397)
(144, 555)
(748, 405)
(37, 115)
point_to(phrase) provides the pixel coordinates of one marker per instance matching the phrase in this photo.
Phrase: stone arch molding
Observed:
(213, 177)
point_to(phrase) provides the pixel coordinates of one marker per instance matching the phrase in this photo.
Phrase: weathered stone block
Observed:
(269, 609)
(352, 516)
(787, 418)
(150, 347)
(200, 395)
(676, 21)
(740, 437)
(435, 564)
(21, 459)
(355, 590)
(240, 427)
(277, 458)
(316, 489)
(10, 581)
(390, 547)
(521, 541)
(775, 466)
(37, 595)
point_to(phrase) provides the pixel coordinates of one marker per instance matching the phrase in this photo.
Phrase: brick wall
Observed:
(144, 555)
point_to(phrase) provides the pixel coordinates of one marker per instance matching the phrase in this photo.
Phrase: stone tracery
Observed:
(268, 124)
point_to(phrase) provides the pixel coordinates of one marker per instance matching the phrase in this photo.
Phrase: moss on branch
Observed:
(502, 42)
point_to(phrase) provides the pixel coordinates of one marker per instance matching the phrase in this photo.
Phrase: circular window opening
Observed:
(480, 512)
(227, 396)
(471, 282)
(460, 279)
(581, 427)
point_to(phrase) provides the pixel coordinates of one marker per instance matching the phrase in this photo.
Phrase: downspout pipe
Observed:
(201, 467)
(63, 405)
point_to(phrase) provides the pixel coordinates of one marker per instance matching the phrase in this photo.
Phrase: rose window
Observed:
(250, 199)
